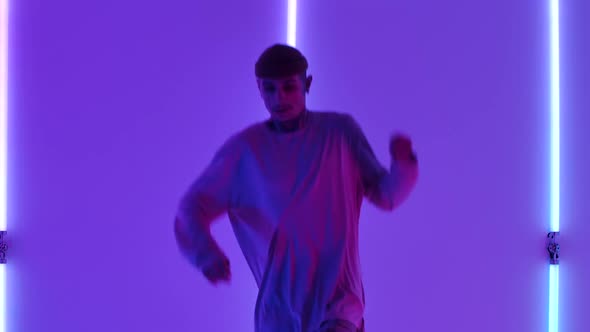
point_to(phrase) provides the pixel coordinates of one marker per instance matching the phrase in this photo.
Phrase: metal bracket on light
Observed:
(3, 247)
(553, 248)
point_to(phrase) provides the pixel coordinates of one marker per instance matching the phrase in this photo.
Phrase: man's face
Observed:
(284, 98)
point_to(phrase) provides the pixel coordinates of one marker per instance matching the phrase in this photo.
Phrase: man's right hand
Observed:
(218, 271)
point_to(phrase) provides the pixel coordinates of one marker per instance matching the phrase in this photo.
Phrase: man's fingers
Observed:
(219, 271)
(400, 145)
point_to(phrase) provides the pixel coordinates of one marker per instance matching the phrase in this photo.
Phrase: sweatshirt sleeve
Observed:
(387, 189)
(206, 199)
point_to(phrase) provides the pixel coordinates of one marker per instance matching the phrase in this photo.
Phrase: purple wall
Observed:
(116, 106)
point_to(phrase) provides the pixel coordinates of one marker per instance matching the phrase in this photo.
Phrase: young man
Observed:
(293, 186)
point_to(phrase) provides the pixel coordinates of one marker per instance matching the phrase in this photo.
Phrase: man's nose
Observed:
(281, 95)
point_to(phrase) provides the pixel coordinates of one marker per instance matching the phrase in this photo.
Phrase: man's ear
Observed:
(259, 85)
(308, 81)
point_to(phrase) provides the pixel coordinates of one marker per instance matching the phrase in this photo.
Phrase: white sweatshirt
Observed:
(294, 201)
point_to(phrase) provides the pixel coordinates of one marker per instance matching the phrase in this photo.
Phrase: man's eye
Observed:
(269, 88)
(289, 88)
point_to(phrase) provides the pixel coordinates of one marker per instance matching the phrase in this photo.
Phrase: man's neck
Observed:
(291, 125)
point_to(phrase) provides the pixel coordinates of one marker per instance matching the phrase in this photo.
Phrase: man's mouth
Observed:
(281, 109)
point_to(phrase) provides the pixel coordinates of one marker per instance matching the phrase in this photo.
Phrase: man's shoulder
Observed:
(332, 115)
(247, 134)
(252, 130)
(325, 118)
(336, 119)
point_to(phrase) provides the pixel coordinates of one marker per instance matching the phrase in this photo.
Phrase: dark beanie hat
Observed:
(280, 61)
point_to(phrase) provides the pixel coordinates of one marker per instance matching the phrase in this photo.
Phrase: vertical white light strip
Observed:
(292, 22)
(553, 298)
(555, 160)
(555, 110)
(3, 145)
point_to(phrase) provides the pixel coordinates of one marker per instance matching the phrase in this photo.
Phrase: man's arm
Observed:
(207, 198)
(387, 189)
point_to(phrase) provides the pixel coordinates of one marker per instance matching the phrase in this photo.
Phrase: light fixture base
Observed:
(553, 248)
